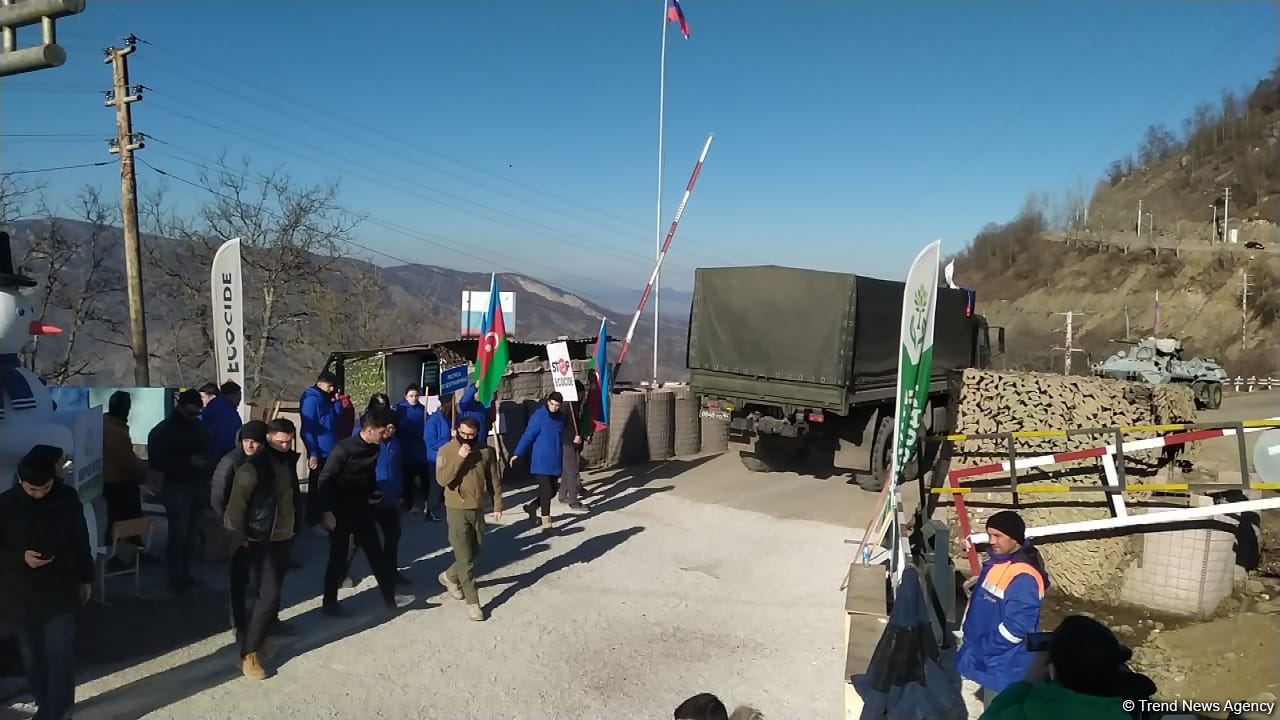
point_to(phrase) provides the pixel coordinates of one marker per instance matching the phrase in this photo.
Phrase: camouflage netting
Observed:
(993, 402)
(364, 378)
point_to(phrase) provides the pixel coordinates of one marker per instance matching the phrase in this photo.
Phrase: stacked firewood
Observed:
(987, 402)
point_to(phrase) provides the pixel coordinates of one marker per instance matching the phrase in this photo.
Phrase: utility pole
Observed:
(1244, 308)
(125, 143)
(1226, 215)
(1139, 222)
(1213, 229)
(1068, 349)
(1127, 335)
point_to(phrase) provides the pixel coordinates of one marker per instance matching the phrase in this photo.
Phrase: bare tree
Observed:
(173, 256)
(291, 236)
(88, 296)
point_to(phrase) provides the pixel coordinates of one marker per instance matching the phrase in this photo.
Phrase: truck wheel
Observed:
(1214, 393)
(772, 453)
(882, 458)
(1200, 393)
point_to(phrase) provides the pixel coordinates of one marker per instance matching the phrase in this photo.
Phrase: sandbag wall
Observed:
(993, 402)
(659, 423)
(628, 442)
(688, 431)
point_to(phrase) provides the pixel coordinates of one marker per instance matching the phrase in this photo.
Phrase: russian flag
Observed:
(676, 15)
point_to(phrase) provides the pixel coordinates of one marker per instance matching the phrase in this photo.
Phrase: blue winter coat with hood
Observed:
(222, 423)
(470, 407)
(320, 414)
(410, 429)
(436, 434)
(1003, 609)
(390, 472)
(543, 443)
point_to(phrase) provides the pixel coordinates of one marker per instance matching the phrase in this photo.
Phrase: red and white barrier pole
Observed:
(666, 245)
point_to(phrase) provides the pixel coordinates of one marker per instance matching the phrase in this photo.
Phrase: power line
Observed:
(405, 186)
(343, 130)
(422, 236)
(59, 167)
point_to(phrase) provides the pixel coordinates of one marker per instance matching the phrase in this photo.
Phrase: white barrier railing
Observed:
(1251, 383)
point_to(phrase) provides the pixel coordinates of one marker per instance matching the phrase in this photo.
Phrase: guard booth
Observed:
(361, 373)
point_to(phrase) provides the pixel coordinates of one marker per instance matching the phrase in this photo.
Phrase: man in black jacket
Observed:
(45, 576)
(262, 511)
(178, 448)
(248, 441)
(348, 497)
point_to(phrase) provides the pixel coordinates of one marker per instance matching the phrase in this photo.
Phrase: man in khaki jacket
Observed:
(468, 473)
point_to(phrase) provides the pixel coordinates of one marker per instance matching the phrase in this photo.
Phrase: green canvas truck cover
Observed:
(814, 326)
(773, 322)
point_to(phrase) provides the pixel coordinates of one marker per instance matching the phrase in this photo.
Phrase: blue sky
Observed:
(848, 134)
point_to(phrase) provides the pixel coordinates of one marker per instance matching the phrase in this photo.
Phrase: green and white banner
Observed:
(915, 369)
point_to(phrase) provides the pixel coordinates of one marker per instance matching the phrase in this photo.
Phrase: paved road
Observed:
(687, 576)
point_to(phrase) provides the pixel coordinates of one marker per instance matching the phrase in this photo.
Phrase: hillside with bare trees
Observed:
(1087, 254)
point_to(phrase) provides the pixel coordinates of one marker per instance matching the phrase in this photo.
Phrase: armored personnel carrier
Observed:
(1159, 360)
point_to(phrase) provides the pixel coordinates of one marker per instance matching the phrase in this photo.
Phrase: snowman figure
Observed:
(26, 410)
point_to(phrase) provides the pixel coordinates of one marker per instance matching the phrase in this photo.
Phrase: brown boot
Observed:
(546, 523)
(251, 668)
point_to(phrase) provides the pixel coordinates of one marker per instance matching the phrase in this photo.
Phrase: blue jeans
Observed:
(47, 655)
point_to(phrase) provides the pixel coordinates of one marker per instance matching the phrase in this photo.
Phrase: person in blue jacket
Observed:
(221, 416)
(470, 407)
(437, 432)
(543, 443)
(412, 415)
(321, 410)
(391, 486)
(1004, 608)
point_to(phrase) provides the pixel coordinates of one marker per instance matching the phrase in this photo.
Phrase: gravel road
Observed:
(624, 612)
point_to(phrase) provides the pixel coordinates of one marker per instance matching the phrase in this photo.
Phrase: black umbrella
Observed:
(907, 678)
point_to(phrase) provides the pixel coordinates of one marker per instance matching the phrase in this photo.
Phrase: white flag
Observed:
(227, 290)
(950, 273)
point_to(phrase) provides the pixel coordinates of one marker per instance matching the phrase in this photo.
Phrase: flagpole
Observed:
(657, 223)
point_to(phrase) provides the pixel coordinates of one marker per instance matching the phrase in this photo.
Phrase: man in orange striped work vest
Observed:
(1004, 608)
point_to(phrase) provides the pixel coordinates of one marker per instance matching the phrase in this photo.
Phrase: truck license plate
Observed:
(715, 414)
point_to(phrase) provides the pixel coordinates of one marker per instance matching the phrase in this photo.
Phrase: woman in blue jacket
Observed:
(543, 442)
(412, 416)
(437, 432)
(1004, 608)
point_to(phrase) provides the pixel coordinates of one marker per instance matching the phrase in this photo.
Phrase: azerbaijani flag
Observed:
(596, 408)
(676, 15)
(492, 352)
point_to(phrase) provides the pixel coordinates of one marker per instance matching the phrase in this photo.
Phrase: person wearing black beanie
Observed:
(1085, 676)
(1004, 608)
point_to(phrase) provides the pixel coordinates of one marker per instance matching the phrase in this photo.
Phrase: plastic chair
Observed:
(138, 527)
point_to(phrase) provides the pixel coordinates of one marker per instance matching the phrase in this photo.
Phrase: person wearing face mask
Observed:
(1004, 608)
(468, 473)
(262, 512)
(179, 449)
(543, 442)
(1083, 675)
(46, 575)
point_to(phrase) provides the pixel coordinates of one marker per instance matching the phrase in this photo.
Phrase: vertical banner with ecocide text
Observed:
(562, 371)
(227, 290)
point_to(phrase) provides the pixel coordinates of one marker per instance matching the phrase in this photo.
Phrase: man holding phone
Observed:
(42, 528)
(349, 496)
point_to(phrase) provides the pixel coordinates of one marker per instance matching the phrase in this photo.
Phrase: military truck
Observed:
(803, 363)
